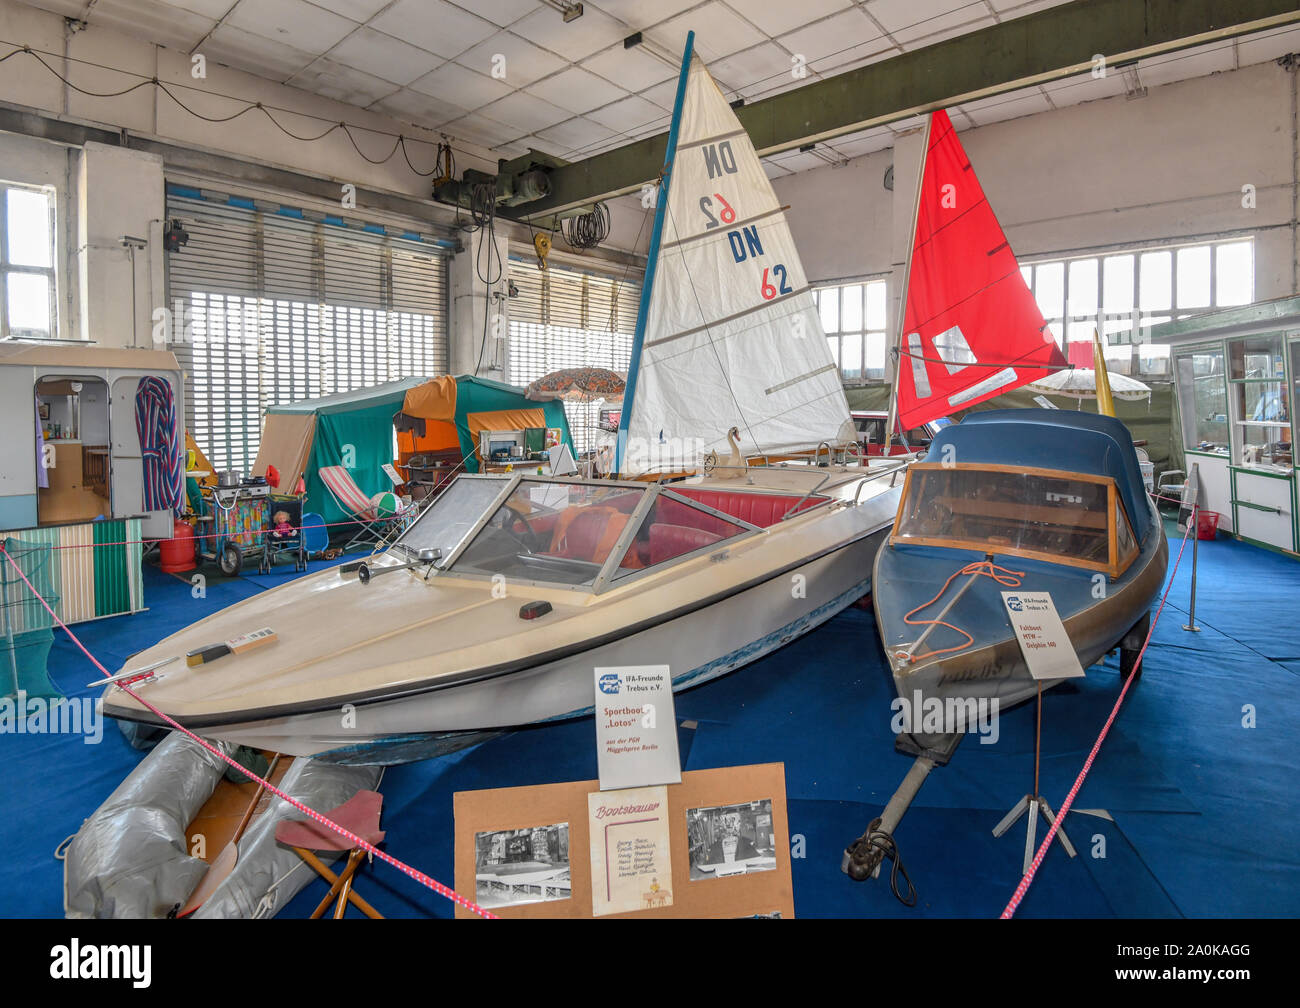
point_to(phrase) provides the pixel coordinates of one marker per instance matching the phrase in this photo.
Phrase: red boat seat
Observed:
(587, 533)
(761, 509)
(668, 541)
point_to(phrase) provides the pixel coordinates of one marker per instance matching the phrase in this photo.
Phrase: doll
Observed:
(282, 530)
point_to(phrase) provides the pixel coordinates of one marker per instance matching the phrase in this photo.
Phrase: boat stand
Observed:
(1034, 803)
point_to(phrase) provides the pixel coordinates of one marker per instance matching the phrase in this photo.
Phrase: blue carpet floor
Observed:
(1201, 805)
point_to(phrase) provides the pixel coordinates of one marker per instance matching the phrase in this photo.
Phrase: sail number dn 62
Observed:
(744, 243)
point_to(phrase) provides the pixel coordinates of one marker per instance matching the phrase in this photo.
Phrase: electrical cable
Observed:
(443, 149)
(588, 230)
(875, 846)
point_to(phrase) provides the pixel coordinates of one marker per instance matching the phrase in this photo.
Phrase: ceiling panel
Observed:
(477, 128)
(359, 11)
(574, 40)
(418, 108)
(457, 85)
(522, 62)
(384, 56)
(1182, 66)
(244, 51)
(149, 19)
(215, 9)
(877, 138)
(719, 31)
(574, 135)
(577, 90)
(634, 69)
(500, 12)
(945, 26)
(1084, 87)
(342, 83)
(292, 22)
(1268, 45)
(837, 34)
(856, 56)
(1019, 8)
(897, 15)
(1010, 106)
(435, 25)
(755, 70)
(524, 112)
(778, 18)
(638, 14)
(631, 115)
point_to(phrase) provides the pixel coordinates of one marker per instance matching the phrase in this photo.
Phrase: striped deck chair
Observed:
(352, 499)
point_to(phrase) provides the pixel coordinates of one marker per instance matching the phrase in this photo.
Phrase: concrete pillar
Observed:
(474, 304)
(119, 193)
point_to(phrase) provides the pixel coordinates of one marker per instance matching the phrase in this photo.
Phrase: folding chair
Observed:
(352, 499)
(358, 815)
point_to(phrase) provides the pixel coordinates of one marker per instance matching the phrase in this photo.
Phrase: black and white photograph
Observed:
(515, 866)
(731, 840)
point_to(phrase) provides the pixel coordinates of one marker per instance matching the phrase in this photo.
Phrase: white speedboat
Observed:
(539, 581)
(494, 609)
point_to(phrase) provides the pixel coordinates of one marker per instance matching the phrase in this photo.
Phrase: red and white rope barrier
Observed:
(1028, 878)
(356, 841)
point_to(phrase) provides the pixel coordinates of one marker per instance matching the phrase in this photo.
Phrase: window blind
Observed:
(271, 308)
(563, 318)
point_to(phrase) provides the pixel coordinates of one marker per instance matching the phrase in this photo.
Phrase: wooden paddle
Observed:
(224, 863)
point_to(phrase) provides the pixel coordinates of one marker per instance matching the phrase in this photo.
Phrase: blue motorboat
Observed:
(1031, 500)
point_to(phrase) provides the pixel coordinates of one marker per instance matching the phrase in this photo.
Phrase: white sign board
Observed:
(1043, 641)
(392, 474)
(631, 859)
(636, 727)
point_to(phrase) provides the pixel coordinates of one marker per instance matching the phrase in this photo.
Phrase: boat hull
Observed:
(993, 667)
(705, 643)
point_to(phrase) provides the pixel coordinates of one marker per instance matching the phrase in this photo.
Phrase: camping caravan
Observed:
(91, 465)
(405, 422)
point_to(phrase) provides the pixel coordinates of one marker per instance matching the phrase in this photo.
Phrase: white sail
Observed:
(731, 335)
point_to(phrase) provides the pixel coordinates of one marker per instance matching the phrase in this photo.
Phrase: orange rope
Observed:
(1002, 575)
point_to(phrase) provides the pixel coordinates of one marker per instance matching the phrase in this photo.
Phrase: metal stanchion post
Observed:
(1195, 519)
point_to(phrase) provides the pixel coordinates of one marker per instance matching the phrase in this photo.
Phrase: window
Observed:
(853, 316)
(1203, 401)
(272, 309)
(1122, 294)
(1061, 517)
(27, 278)
(563, 318)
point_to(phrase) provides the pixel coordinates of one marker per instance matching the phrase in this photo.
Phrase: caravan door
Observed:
(127, 463)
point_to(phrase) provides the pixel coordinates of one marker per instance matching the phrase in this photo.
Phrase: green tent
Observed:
(355, 430)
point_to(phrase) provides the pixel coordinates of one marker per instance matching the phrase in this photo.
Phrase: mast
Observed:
(892, 416)
(652, 259)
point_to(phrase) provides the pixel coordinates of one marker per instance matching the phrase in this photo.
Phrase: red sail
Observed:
(972, 329)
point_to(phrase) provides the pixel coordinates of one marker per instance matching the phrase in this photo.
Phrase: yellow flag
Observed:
(1105, 401)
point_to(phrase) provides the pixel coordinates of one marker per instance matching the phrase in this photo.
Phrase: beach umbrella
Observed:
(579, 384)
(1081, 383)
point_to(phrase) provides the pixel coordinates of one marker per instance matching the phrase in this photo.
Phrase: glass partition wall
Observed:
(1260, 402)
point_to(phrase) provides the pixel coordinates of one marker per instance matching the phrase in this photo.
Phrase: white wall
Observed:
(1112, 172)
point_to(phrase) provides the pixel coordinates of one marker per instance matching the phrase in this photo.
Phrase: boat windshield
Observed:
(450, 518)
(560, 532)
(1069, 518)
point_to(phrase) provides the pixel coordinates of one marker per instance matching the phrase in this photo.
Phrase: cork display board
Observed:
(527, 852)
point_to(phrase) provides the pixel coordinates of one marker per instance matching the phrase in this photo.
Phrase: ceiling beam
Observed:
(1049, 45)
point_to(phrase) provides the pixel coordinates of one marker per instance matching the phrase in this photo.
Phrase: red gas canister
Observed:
(176, 554)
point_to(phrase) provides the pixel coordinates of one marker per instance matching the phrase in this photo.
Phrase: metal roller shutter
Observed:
(565, 318)
(273, 308)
